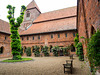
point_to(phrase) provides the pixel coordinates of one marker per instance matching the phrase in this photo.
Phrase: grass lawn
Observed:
(23, 59)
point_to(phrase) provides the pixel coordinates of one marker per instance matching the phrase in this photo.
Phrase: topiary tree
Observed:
(93, 50)
(15, 37)
(45, 51)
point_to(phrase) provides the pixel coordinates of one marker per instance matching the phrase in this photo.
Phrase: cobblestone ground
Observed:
(43, 66)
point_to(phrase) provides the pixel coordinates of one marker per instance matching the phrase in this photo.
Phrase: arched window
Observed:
(24, 49)
(33, 50)
(41, 47)
(72, 48)
(1, 50)
(50, 48)
(93, 31)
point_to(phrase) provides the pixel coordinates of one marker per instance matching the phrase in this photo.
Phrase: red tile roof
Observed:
(54, 25)
(32, 5)
(57, 14)
(4, 27)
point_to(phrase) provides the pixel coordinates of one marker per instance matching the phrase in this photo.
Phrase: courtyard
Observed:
(43, 66)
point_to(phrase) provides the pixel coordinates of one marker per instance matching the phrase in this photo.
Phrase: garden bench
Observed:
(71, 56)
(68, 65)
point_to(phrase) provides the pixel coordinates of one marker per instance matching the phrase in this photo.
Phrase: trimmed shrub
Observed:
(45, 51)
(55, 50)
(65, 50)
(36, 52)
(80, 51)
(28, 51)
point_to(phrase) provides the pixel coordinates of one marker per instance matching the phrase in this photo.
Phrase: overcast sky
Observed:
(44, 6)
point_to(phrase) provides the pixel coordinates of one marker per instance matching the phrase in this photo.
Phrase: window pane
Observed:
(27, 38)
(58, 35)
(51, 35)
(5, 37)
(73, 34)
(28, 15)
(22, 38)
(65, 34)
(38, 37)
(33, 37)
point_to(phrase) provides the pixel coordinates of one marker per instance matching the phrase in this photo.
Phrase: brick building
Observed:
(42, 29)
(88, 20)
(55, 28)
(5, 50)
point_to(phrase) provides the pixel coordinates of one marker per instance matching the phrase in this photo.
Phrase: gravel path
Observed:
(43, 66)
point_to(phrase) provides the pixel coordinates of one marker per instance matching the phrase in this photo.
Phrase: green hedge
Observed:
(37, 52)
(55, 50)
(45, 51)
(65, 50)
(28, 51)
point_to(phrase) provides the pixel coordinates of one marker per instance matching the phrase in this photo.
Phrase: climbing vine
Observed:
(15, 37)
(93, 49)
(76, 40)
(80, 51)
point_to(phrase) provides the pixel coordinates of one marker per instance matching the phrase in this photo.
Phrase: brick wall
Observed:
(88, 19)
(46, 40)
(5, 43)
(34, 13)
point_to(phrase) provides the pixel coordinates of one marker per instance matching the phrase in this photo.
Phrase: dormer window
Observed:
(28, 14)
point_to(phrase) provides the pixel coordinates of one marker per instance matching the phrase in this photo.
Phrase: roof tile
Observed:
(55, 25)
(52, 26)
(4, 26)
(66, 12)
(32, 5)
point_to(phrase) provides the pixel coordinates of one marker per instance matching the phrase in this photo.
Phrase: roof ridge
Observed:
(4, 21)
(32, 4)
(58, 10)
(55, 19)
